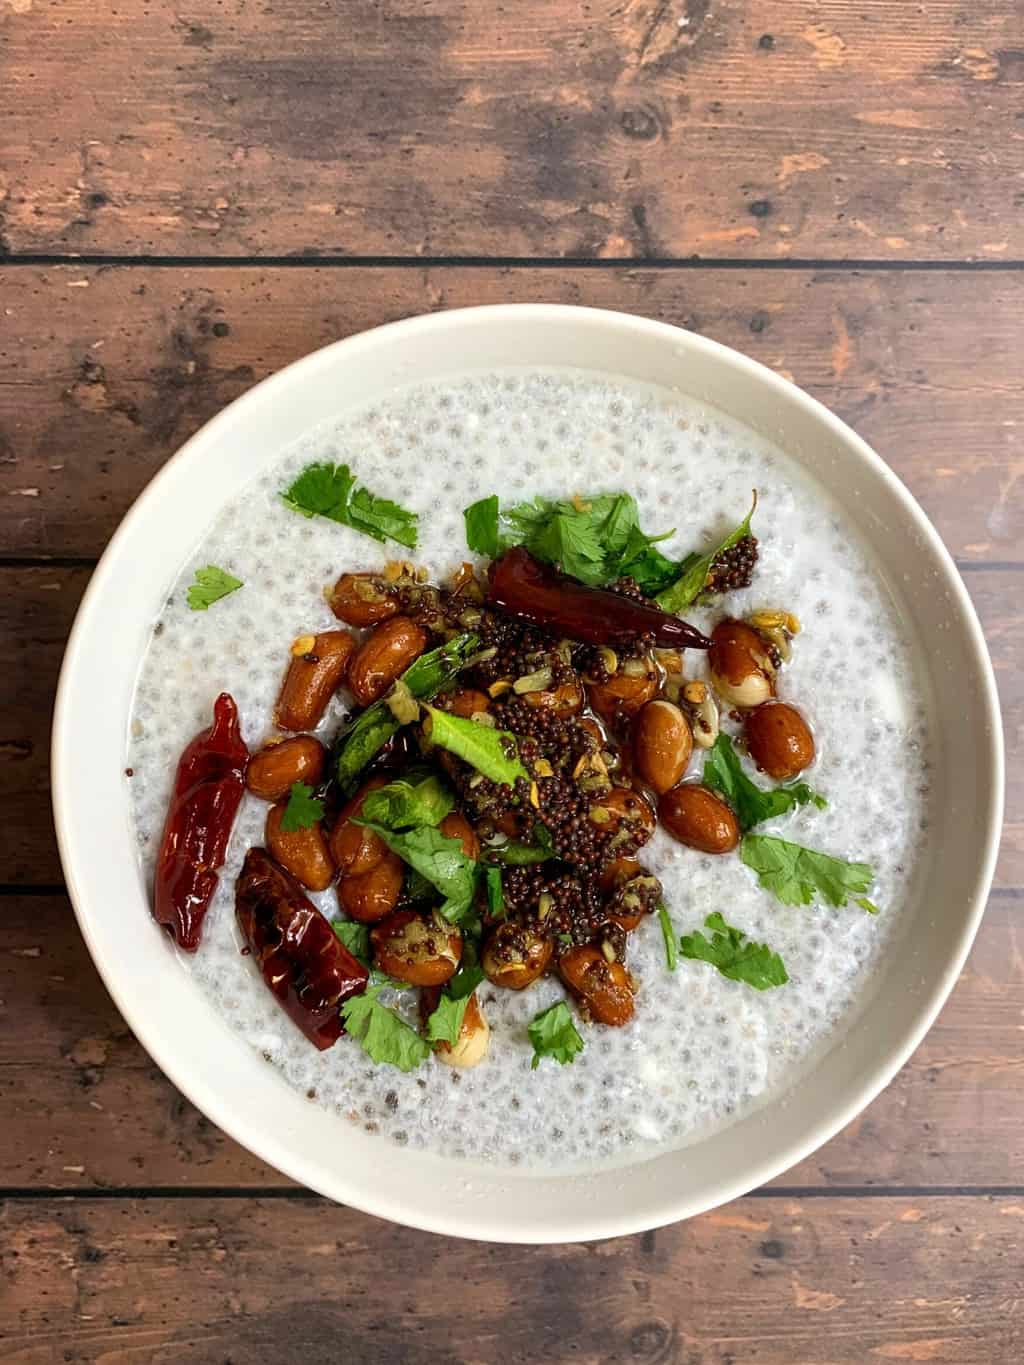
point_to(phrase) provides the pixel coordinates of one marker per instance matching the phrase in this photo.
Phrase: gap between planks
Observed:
(316, 261)
(294, 1193)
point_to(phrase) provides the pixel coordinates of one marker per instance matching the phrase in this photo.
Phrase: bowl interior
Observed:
(228, 1079)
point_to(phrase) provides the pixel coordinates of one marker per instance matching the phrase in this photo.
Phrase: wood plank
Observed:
(603, 129)
(104, 373)
(825, 1282)
(37, 606)
(84, 1107)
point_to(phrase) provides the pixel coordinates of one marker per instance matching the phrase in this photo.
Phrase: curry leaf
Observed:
(372, 728)
(689, 586)
(402, 803)
(440, 860)
(494, 753)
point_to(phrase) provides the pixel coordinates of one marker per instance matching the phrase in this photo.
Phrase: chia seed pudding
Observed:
(700, 1048)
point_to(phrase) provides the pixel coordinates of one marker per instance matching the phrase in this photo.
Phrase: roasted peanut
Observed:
(515, 955)
(473, 1040)
(508, 822)
(603, 988)
(467, 702)
(623, 809)
(384, 656)
(456, 826)
(363, 599)
(354, 848)
(662, 744)
(699, 818)
(625, 692)
(273, 769)
(316, 671)
(630, 892)
(778, 739)
(424, 951)
(302, 852)
(615, 874)
(474, 1036)
(374, 894)
(564, 700)
(740, 664)
(703, 714)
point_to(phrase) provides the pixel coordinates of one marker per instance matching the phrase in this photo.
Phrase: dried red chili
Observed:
(207, 790)
(308, 969)
(534, 592)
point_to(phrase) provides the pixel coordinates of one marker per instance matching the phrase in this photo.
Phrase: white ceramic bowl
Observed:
(225, 1077)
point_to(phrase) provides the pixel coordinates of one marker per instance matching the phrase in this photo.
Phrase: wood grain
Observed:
(37, 606)
(824, 1282)
(623, 128)
(105, 372)
(85, 1108)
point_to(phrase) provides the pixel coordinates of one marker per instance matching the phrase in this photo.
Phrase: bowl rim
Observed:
(272, 1149)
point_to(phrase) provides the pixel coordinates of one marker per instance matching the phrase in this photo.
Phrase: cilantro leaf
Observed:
(724, 774)
(553, 1034)
(620, 521)
(869, 906)
(495, 892)
(571, 540)
(439, 859)
(329, 490)
(691, 583)
(668, 933)
(401, 803)
(384, 1037)
(796, 875)
(210, 586)
(735, 956)
(355, 937)
(468, 977)
(491, 752)
(379, 979)
(303, 809)
(643, 561)
(445, 1023)
(595, 537)
(372, 729)
(482, 531)
(382, 518)
(320, 490)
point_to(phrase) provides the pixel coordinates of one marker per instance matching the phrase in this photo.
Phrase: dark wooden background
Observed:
(190, 199)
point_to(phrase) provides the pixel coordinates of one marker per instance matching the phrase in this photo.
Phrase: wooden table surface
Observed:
(190, 200)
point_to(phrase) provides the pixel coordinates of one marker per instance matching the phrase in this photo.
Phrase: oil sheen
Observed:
(702, 1049)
